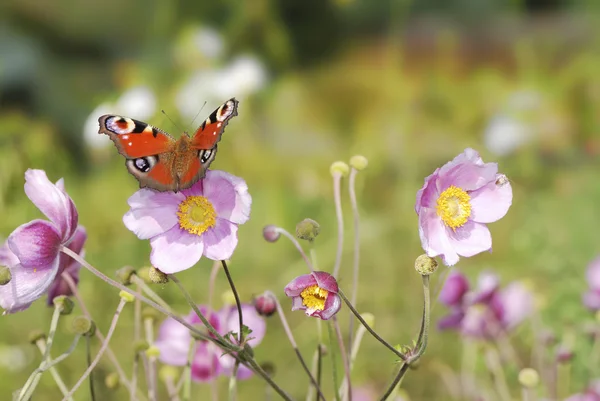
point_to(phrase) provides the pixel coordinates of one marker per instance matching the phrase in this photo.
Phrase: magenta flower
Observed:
(33, 250)
(591, 299)
(209, 360)
(69, 266)
(315, 293)
(456, 202)
(184, 226)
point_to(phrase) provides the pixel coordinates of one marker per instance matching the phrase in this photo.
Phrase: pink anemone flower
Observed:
(184, 226)
(315, 293)
(455, 204)
(32, 251)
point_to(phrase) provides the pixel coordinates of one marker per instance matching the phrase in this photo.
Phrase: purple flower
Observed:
(68, 266)
(209, 360)
(454, 289)
(591, 299)
(32, 251)
(315, 293)
(184, 226)
(456, 202)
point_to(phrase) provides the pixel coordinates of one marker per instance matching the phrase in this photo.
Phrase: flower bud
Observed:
(5, 275)
(140, 346)
(529, 378)
(112, 381)
(564, 354)
(425, 265)
(157, 277)
(270, 233)
(83, 325)
(144, 274)
(36, 336)
(308, 229)
(126, 296)
(153, 351)
(358, 162)
(265, 304)
(339, 168)
(168, 373)
(124, 275)
(64, 304)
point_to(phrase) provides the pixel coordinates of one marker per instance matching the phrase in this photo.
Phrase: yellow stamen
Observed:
(454, 207)
(314, 297)
(196, 215)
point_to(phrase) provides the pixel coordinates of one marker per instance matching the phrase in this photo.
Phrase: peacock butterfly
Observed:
(159, 161)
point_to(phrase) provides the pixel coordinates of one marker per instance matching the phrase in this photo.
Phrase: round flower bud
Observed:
(64, 304)
(358, 162)
(112, 381)
(83, 325)
(168, 373)
(126, 296)
(270, 233)
(5, 275)
(36, 336)
(529, 378)
(150, 313)
(339, 168)
(157, 277)
(144, 274)
(425, 265)
(308, 229)
(265, 304)
(369, 318)
(153, 351)
(140, 346)
(124, 275)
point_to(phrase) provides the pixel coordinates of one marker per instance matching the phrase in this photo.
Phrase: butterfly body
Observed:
(161, 162)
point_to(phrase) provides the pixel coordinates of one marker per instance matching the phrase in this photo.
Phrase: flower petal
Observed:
(297, 303)
(592, 274)
(297, 285)
(491, 202)
(152, 213)
(26, 285)
(173, 341)
(251, 318)
(7, 257)
(434, 237)
(69, 266)
(36, 244)
(428, 194)
(205, 366)
(175, 250)
(451, 321)
(52, 201)
(326, 281)
(228, 195)
(454, 289)
(220, 241)
(227, 363)
(470, 239)
(467, 171)
(333, 304)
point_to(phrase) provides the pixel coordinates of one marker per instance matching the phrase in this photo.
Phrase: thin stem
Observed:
(238, 303)
(221, 340)
(467, 368)
(392, 386)
(356, 256)
(171, 390)
(35, 377)
(233, 382)
(493, 362)
(258, 369)
(345, 358)
(354, 352)
(41, 344)
(290, 336)
(111, 330)
(187, 372)
(369, 329)
(151, 294)
(111, 355)
(297, 245)
(336, 384)
(149, 330)
(337, 179)
(319, 368)
(88, 351)
(137, 319)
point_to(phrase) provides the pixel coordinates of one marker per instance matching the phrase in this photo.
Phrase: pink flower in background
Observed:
(591, 299)
(32, 251)
(592, 393)
(184, 226)
(315, 293)
(456, 202)
(209, 361)
(69, 266)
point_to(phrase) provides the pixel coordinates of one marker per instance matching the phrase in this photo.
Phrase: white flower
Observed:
(138, 102)
(208, 42)
(90, 127)
(506, 134)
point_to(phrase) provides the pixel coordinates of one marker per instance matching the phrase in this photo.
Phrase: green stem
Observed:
(356, 256)
(238, 303)
(55, 375)
(337, 198)
(336, 384)
(345, 358)
(89, 363)
(233, 382)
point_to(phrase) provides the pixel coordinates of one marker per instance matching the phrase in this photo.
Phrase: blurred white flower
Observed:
(138, 103)
(90, 128)
(208, 42)
(244, 76)
(506, 134)
(13, 358)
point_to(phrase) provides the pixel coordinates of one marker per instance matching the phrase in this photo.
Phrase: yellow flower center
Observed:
(314, 297)
(454, 207)
(196, 215)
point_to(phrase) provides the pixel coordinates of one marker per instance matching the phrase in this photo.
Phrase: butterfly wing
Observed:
(203, 145)
(148, 150)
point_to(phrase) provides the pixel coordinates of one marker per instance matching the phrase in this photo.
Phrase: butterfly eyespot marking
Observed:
(225, 110)
(142, 164)
(205, 155)
(120, 125)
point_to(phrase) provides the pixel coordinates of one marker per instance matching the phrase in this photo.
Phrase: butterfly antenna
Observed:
(172, 122)
(197, 114)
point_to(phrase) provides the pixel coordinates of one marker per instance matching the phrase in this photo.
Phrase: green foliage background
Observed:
(408, 85)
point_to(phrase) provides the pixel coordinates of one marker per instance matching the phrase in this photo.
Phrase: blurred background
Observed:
(408, 84)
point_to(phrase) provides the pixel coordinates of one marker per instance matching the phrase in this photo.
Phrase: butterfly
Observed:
(160, 162)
